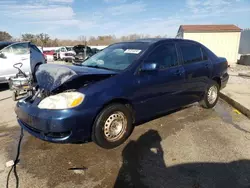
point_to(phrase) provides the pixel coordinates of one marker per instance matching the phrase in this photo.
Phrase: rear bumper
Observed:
(59, 126)
(224, 80)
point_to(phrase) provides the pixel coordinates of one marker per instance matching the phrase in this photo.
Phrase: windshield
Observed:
(69, 48)
(117, 56)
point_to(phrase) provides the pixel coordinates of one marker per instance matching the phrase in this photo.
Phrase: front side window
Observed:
(116, 57)
(204, 54)
(164, 56)
(20, 49)
(191, 53)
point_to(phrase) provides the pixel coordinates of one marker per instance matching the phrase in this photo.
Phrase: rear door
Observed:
(198, 69)
(6, 66)
(160, 90)
(16, 53)
(21, 54)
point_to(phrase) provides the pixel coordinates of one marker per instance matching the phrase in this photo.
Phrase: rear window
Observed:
(191, 53)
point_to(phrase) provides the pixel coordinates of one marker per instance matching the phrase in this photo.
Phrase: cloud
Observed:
(62, 1)
(115, 1)
(197, 6)
(37, 11)
(51, 1)
(128, 8)
(213, 8)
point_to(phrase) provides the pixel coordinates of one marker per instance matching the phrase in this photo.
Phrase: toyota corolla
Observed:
(124, 84)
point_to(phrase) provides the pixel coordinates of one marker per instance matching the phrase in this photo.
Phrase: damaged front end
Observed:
(54, 79)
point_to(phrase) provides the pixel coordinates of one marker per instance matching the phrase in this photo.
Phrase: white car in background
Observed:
(65, 53)
(18, 52)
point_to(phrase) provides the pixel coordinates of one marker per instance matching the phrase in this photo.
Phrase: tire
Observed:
(208, 102)
(115, 119)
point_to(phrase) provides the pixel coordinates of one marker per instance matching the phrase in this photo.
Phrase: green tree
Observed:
(43, 39)
(29, 37)
(5, 36)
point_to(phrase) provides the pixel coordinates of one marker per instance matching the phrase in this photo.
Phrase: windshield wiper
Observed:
(98, 67)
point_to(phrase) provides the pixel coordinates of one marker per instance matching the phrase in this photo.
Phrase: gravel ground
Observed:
(238, 69)
(192, 147)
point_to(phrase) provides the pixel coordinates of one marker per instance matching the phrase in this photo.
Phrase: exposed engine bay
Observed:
(54, 79)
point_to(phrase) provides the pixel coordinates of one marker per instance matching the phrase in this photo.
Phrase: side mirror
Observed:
(146, 67)
(2, 55)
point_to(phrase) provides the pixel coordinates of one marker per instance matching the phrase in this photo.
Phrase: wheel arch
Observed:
(217, 80)
(123, 101)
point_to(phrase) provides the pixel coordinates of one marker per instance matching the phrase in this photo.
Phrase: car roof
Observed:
(5, 44)
(155, 40)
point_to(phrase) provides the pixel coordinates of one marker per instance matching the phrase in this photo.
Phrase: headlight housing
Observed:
(62, 101)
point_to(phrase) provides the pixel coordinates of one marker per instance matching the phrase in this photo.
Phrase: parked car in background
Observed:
(64, 53)
(115, 89)
(95, 50)
(48, 55)
(80, 54)
(18, 52)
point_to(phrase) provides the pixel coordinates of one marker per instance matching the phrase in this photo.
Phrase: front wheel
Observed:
(211, 95)
(112, 126)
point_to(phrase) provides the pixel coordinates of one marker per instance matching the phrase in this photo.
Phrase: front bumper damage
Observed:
(59, 126)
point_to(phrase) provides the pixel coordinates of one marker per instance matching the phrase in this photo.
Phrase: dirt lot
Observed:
(192, 147)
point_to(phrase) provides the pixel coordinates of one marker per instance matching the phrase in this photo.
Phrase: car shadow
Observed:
(143, 165)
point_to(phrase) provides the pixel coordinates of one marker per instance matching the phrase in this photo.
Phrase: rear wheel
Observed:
(211, 95)
(112, 126)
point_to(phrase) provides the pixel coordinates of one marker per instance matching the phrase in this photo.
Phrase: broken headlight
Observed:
(62, 101)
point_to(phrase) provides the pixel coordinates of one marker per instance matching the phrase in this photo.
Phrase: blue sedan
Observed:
(124, 84)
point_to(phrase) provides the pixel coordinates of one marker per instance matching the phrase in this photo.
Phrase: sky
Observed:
(69, 19)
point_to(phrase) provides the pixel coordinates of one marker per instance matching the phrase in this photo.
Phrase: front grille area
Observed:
(57, 135)
(48, 134)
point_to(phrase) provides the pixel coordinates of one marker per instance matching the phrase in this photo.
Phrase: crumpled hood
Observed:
(51, 76)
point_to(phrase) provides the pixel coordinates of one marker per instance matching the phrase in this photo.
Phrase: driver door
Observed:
(160, 90)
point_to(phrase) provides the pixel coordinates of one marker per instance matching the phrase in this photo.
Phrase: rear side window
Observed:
(164, 56)
(35, 48)
(204, 54)
(191, 53)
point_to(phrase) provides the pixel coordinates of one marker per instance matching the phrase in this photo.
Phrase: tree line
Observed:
(45, 40)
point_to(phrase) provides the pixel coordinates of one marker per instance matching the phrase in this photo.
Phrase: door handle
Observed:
(24, 59)
(207, 65)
